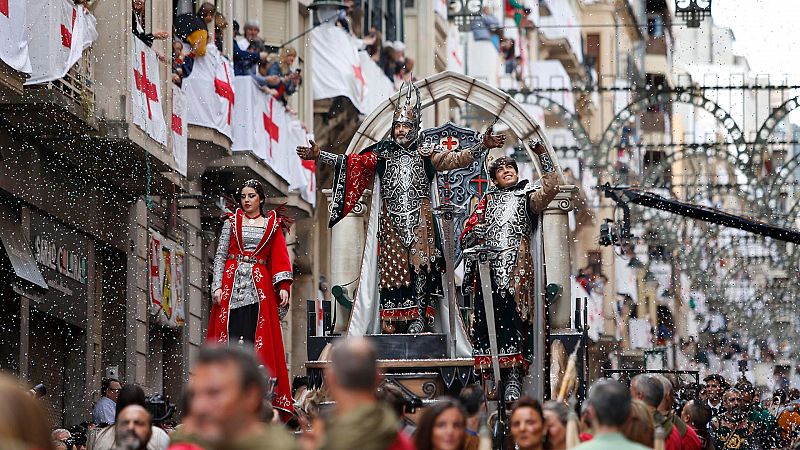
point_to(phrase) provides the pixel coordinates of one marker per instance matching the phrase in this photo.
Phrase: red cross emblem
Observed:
(177, 124)
(450, 142)
(271, 127)
(360, 77)
(4, 8)
(311, 166)
(147, 87)
(66, 33)
(225, 90)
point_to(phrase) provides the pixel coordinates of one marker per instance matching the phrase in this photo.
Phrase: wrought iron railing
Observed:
(78, 84)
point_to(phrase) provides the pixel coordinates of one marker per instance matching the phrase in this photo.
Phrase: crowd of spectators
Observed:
(486, 27)
(226, 407)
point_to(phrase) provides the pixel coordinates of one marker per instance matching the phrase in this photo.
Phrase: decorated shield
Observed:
(458, 187)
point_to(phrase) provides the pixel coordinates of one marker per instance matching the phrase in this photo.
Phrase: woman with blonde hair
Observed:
(281, 77)
(23, 419)
(639, 427)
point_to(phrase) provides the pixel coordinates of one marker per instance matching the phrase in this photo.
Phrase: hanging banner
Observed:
(337, 66)
(14, 35)
(264, 127)
(166, 261)
(145, 87)
(179, 130)
(59, 32)
(210, 93)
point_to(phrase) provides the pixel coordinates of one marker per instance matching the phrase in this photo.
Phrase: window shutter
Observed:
(273, 27)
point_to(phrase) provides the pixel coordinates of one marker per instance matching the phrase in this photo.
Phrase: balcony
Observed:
(563, 43)
(56, 109)
(11, 82)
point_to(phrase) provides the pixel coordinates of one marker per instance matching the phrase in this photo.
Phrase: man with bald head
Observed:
(133, 428)
(360, 421)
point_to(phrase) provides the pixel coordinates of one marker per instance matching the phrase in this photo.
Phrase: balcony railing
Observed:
(77, 85)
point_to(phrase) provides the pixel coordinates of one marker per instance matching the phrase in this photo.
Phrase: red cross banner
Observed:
(69, 30)
(14, 36)
(145, 86)
(262, 126)
(337, 66)
(210, 92)
(180, 130)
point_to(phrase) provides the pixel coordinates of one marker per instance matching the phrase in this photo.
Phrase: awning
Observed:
(19, 253)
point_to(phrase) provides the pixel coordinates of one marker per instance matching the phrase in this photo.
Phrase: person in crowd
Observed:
(474, 400)
(248, 51)
(192, 28)
(649, 390)
(138, 27)
(442, 427)
(508, 50)
(391, 395)
(715, 386)
(181, 64)
(62, 439)
(639, 427)
(608, 406)
(403, 73)
(281, 77)
(134, 428)
(360, 421)
(697, 415)
(486, 26)
(220, 25)
(310, 418)
(228, 391)
(689, 439)
(299, 386)
(731, 429)
(252, 29)
(388, 60)
(764, 422)
(526, 423)
(105, 409)
(373, 42)
(130, 394)
(556, 415)
(23, 419)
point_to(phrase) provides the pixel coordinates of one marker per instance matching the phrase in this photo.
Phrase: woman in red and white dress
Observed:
(252, 277)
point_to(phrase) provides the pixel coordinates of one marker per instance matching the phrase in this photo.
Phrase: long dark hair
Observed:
(256, 186)
(424, 435)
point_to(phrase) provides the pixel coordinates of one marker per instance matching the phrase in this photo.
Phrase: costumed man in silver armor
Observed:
(503, 220)
(410, 263)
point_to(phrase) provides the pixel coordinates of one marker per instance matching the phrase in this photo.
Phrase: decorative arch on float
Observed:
(448, 85)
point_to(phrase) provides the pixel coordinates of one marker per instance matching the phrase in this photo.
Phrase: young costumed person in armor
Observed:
(504, 220)
(410, 264)
(252, 278)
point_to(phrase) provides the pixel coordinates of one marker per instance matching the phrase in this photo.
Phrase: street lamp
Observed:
(693, 11)
(326, 10)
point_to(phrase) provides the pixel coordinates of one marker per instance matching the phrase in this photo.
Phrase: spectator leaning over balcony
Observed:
(281, 77)
(181, 64)
(192, 28)
(373, 44)
(246, 59)
(485, 27)
(137, 25)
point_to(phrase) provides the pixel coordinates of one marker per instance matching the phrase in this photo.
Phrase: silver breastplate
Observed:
(507, 222)
(403, 187)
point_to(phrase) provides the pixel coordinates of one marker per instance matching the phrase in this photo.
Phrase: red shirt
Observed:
(690, 440)
(674, 441)
(402, 442)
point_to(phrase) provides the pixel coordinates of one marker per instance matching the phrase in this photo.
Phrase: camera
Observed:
(160, 407)
(608, 233)
(38, 391)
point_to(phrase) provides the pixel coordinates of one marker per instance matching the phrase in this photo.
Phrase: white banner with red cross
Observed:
(14, 35)
(337, 66)
(166, 266)
(210, 93)
(263, 126)
(145, 87)
(179, 130)
(59, 32)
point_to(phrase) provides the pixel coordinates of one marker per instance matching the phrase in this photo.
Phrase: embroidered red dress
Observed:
(271, 272)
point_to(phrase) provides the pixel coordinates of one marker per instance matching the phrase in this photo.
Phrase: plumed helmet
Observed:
(405, 112)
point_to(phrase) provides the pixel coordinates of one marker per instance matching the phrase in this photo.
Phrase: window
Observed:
(655, 26)
(593, 49)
